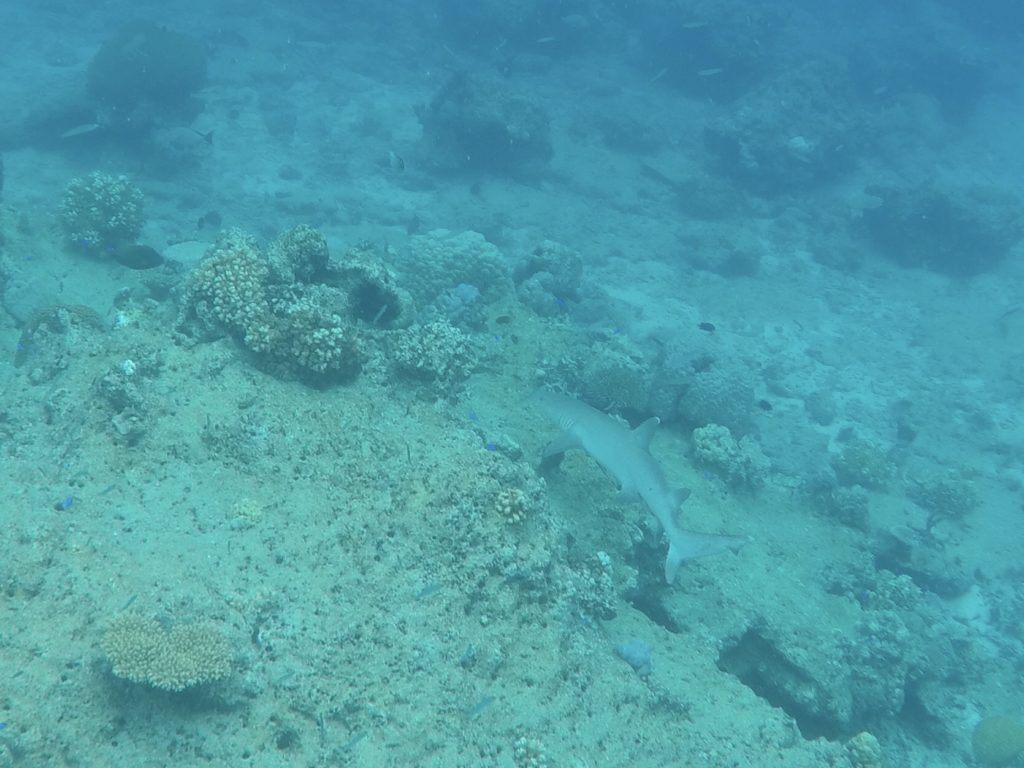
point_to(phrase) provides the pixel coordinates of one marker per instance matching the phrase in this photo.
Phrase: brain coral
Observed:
(998, 741)
(440, 260)
(719, 394)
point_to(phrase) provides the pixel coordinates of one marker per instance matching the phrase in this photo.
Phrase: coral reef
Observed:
(146, 64)
(476, 125)
(313, 341)
(440, 260)
(916, 554)
(141, 650)
(372, 288)
(847, 504)
(742, 463)
(437, 353)
(512, 505)
(900, 656)
(590, 587)
(228, 290)
(865, 463)
(949, 496)
(292, 327)
(864, 751)
(718, 393)
(613, 380)
(787, 135)
(549, 278)
(100, 211)
(299, 254)
(529, 753)
(959, 232)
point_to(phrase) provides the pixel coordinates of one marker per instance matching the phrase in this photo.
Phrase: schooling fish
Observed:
(81, 130)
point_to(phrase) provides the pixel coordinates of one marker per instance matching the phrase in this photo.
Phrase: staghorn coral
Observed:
(141, 650)
(100, 211)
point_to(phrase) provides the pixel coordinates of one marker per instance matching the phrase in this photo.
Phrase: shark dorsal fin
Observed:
(645, 432)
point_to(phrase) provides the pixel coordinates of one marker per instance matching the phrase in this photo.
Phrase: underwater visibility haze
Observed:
(512, 384)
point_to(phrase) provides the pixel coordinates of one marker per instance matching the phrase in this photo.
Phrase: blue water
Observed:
(277, 282)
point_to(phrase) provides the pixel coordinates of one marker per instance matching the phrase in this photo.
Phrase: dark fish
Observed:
(207, 137)
(707, 327)
(209, 219)
(764, 405)
(137, 256)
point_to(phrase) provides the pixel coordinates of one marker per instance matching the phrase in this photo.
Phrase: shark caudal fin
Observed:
(687, 545)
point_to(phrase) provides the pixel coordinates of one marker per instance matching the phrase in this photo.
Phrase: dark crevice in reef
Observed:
(756, 663)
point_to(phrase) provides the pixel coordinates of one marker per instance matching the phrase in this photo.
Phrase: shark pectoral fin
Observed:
(688, 545)
(645, 432)
(678, 497)
(561, 444)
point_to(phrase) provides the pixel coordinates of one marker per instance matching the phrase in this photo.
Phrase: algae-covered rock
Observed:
(476, 124)
(144, 62)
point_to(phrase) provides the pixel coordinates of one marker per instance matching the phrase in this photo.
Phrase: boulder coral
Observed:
(998, 741)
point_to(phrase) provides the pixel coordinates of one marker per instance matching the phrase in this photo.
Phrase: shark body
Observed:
(625, 455)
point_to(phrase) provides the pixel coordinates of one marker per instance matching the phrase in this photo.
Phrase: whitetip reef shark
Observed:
(624, 454)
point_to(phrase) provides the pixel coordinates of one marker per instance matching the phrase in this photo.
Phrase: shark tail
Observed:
(687, 545)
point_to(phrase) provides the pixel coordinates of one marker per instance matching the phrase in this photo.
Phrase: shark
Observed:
(625, 455)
